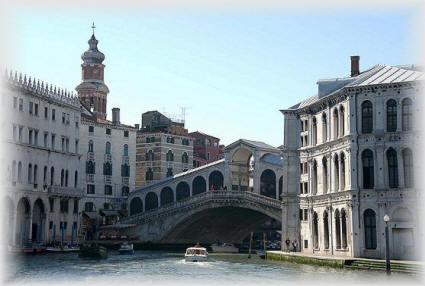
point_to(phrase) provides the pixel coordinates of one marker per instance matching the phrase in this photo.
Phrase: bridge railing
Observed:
(203, 197)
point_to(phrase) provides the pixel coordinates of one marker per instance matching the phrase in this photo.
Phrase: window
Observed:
(88, 207)
(125, 191)
(125, 150)
(185, 158)
(15, 102)
(169, 172)
(370, 229)
(107, 169)
(53, 141)
(67, 144)
(170, 156)
(335, 123)
(46, 136)
(14, 133)
(149, 174)
(76, 179)
(90, 189)
(52, 204)
(53, 114)
(314, 139)
(368, 171)
(125, 170)
(324, 128)
(45, 175)
(91, 129)
(125, 133)
(170, 140)
(77, 122)
(20, 172)
(90, 167)
(46, 112)
(185, 142)
(35, 175)
(29, 173)
(30, 132)
(325, 175)
(91, 146)
(63, 117)
(52, 176)
(64, 205)
(315, 231)
(408, 168)
(108, 190)
(14, 171)
(108, 131)
(20, 132)
(406, 110)
(367, 117)
(108, 148)
(326, 229)
(76, 145)
(36, 109)
(21, 104)
(63, 144)
(392, 168)
(62, 177)
(50, 224)
(341, 121)
(31, 107)
(66, 178)
(391, 115)
(149, 156)
(314, 181)
(208, 156)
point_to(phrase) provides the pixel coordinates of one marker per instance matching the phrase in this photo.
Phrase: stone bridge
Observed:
(207, 217)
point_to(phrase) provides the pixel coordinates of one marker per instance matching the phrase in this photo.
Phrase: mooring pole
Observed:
(250, 243)
(264, 245)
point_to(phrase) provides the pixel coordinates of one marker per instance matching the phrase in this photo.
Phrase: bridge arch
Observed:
(241, 169)
(215, 180)
(199, 185)
(151, 201)
(136, 206)
(182, 191)
(268, 183)
(23, 221)
(167, 196)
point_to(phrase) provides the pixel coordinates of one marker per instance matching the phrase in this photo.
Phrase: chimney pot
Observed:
(355, 65)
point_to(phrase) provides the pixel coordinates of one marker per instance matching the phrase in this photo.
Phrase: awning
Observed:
(108, 212)
(91, 215)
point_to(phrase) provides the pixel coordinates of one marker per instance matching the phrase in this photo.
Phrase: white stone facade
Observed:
(354, 162)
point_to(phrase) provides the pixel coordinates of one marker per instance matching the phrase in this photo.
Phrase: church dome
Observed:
(93, 55)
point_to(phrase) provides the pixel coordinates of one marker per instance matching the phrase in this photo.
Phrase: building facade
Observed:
(352, 163)
(41, 161)
(206, 148)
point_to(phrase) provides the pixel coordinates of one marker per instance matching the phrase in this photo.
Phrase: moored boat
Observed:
(196, 254)
(63, 249)
(126, 248)
(224, 248)
(93, 251)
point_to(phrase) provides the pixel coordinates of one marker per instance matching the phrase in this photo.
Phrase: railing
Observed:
(205, 197)
(65, 191)
(108, 157)
(90, 178)
(108, 179)
(90, 156)
(125, 181)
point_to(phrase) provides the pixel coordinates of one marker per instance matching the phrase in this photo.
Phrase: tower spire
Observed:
(93, 27)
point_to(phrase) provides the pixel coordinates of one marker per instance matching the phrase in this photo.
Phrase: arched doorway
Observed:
(167, 196)
(23, 217)
(241, 169)
(268, 184)
(151, 201)
(215, 180)
(136, 206)
(280, 187)
(182, 191)
(199, 185)
(38, 221)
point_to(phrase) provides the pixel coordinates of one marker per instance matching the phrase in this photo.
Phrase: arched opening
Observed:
(367, 117)
(406, 110)
(23, 217)
(108, 148)
(280, 187)
(392, 168)
(341, 121)
(324, 128)
(170, 156)
(336, 176)
(369, 217)
(151, 201)
(343, 229)
(335, 123)
(314, 131)
(241, 170)
(314, 178)
(326, 229)
(38, 221)
(185, 158)
(342, 171)
(368, 171)
(149, 174)
(125, 153)
(315, 231)
(325, 175)
(408, 167)
(268, 184)
(136, 206)
(182, 191)
(391, 115)
(167, 196)
(199, 185)
(215, 180)
(337, 229)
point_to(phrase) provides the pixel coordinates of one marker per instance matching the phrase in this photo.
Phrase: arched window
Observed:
(314, 132)
(52, 176)
(66, 178)
(108, 148)
(406, 111)
(408, 167)
(343, 229)
(149, 155)
(341, 121)
(326, 229)
(391, 115)
(91, 146)
(337, 229)
(392, 168)
(314, 181)
(336, 177)
(369, 217)
(315, 231)
(107, 169)
(62, 177)
(324, 128)
(125, 150)
(35, 174)
(368, 172)
(149, 174)
(45, 175)
(185, 158)
(20, 172)
(29, 173)
(367, 117)
(90, 167)
(342, 171)
(76, 179)
(170, 156)
(325, 175)
(335, 123)
(14, 171)
(125, 170)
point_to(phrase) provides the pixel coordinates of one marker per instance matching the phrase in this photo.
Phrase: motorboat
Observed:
(63, 249)
(93, 251)
(126, 248)
(196, 254)
(224, 248)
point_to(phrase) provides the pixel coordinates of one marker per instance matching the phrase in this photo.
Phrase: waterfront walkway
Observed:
(340, 262)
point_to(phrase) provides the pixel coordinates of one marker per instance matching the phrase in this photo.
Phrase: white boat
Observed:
(224, 248)
(126, 248)
(63, 249)
(196, 254)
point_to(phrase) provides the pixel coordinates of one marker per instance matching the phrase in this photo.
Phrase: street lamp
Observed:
(387, 245)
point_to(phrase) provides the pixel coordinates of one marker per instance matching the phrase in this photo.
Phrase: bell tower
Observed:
(93, 91)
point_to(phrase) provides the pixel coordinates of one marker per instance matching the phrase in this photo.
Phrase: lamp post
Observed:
(387, 245)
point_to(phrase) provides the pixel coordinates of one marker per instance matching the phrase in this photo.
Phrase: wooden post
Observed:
(250, 243)
(264, 245)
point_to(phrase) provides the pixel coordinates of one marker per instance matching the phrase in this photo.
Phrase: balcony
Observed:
(90, 178)
(65, 191)
(90, 156)
(108, 157)
(108, 179)
(125, 181)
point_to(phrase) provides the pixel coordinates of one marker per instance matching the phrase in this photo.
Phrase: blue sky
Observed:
(233, 70)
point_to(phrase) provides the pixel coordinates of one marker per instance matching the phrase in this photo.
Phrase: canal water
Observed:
(150, 267)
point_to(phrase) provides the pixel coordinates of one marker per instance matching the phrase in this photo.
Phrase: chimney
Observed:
(115, 116)
(355, 65)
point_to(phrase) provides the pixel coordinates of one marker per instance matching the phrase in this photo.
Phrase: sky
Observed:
(232, 70)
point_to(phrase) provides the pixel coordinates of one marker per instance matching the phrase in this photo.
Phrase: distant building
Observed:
(206, 148)
(163, 148)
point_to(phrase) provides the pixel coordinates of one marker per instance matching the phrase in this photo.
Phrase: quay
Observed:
(404, 266)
